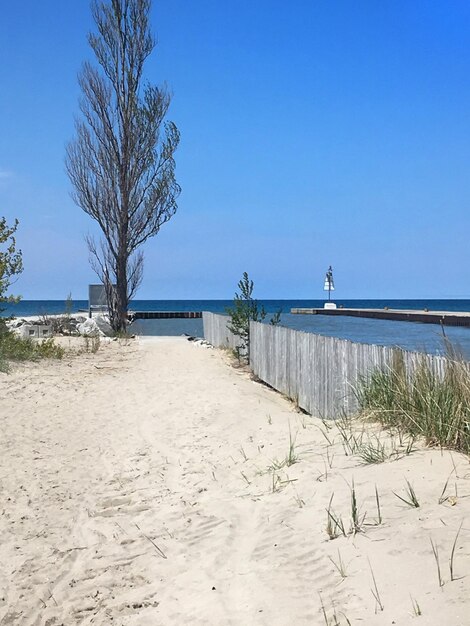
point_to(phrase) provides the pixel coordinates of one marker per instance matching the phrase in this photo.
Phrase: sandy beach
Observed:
(147, 484)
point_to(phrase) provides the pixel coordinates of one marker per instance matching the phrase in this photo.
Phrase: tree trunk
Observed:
(121, 294)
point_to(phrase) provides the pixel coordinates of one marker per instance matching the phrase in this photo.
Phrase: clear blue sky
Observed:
(312, 133)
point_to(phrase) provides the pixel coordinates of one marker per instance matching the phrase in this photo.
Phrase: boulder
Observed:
(95, 327)
(104, 325)
(89, 328)
(202, 343)
(15, 323)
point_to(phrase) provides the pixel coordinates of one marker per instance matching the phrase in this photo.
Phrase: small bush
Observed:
(59, 324)
(49, 349)
(95, 344)
(92, 343)
(14, 348)
(4, 367)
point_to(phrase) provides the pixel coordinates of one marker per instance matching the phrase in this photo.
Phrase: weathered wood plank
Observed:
(216, 331)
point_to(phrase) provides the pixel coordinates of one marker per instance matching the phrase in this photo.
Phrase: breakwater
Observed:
(164, 315)
(446, 318)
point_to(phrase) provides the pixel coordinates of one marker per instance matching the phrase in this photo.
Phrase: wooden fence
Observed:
(216, 331)
(319, 373)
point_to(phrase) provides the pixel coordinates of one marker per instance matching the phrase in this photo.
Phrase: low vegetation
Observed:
(92, 344)
(14, 348)
(422, 403)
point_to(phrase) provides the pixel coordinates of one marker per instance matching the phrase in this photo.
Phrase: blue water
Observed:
(423, 337)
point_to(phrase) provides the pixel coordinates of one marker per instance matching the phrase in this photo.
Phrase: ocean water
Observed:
(408, 335)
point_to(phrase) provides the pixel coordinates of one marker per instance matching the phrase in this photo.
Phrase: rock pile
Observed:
(47, 326)
(198, 341)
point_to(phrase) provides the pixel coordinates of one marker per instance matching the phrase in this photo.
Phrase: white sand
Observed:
(123, 502)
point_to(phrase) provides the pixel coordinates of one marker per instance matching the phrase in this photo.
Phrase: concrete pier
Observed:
(446, 318)
(163, 315)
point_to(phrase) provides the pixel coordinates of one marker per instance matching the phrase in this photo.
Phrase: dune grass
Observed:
(423, 403)
(14, 348)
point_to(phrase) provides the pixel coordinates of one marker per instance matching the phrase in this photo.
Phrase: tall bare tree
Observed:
(121, 162)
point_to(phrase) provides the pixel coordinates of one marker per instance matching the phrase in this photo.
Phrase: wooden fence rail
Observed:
(319, 373)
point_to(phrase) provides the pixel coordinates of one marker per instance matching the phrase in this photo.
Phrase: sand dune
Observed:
(146, 484)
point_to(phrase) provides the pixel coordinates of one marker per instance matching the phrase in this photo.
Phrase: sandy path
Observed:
(136, 490)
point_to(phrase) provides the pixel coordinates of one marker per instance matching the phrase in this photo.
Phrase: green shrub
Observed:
(92, 343)
(14, 348)
(49, 349)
